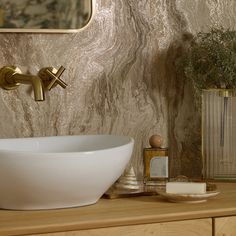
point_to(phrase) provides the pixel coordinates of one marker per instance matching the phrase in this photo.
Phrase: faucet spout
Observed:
(35, 81)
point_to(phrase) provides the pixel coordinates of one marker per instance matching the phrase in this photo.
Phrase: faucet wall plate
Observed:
(6, 73)
(44, 76)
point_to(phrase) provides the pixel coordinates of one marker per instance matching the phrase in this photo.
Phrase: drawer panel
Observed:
(225, 226)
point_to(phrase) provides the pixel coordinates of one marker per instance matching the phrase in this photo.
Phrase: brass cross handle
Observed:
(52, 76)
(56, 78)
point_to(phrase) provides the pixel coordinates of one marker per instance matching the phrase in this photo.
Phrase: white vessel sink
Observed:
(61, 171)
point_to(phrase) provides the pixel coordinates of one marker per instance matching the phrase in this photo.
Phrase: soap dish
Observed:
(187, 198)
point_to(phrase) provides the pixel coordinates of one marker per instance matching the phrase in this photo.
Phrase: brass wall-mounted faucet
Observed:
(11, 77)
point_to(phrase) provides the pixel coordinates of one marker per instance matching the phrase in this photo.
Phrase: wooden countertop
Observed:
(116, 212)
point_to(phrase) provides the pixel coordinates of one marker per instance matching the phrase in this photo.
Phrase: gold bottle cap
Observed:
(156, 141)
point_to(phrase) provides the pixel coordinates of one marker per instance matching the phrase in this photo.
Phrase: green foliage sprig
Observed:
(209, 59)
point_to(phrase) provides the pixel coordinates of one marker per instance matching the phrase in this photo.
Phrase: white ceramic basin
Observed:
(61, 171)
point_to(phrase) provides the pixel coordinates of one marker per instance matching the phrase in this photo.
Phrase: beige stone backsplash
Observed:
(120, 74)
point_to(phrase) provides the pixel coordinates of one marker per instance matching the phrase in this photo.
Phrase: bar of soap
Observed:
(185, 188)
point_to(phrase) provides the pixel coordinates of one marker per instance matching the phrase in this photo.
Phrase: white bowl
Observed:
(60, 171)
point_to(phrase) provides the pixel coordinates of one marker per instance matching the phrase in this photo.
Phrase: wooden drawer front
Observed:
(202, 227)
(225, 226)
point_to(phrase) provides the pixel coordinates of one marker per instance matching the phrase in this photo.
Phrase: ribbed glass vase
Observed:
(219, 134)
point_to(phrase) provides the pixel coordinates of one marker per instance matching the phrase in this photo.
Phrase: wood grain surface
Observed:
(225, 226)
(116, 212)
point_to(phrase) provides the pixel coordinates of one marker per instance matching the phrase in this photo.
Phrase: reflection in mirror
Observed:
(45, 14)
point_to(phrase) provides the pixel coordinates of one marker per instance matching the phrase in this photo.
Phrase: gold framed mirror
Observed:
(45, 16)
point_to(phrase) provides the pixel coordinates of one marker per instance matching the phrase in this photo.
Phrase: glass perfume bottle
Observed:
(156, 163)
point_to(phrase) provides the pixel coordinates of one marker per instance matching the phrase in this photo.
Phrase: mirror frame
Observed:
(51, 31)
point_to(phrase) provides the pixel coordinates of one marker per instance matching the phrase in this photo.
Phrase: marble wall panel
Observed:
(121, 76)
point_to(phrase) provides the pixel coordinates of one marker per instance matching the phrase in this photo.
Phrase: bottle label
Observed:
(159, 167)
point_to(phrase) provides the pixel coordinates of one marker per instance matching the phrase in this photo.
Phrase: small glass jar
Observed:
(156, 163)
